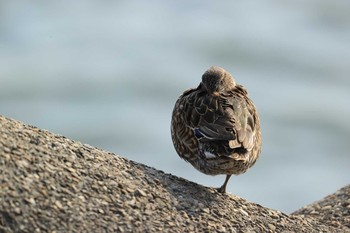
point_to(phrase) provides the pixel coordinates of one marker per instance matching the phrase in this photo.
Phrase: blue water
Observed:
(108, 74)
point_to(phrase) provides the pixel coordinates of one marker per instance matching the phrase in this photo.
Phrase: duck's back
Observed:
(220, 127)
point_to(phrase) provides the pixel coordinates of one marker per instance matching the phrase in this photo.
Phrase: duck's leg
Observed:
(222, 189)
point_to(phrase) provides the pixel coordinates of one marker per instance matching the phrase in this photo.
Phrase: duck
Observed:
(215, 127)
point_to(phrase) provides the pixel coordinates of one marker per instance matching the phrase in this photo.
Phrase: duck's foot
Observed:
(222, 189)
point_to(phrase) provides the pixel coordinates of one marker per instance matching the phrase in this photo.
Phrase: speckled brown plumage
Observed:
(215, 126)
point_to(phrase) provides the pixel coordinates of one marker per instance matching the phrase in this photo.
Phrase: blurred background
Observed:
(108, 74)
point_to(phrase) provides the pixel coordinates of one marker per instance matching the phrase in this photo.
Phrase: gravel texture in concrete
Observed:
(49, 183)
(333, 210)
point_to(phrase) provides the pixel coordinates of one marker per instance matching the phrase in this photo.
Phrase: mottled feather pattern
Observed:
(215, 126)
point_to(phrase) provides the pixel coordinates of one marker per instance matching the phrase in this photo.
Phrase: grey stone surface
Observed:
(333, 210)
(49, 183)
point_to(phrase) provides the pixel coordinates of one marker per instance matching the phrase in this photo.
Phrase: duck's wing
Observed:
(227, 119)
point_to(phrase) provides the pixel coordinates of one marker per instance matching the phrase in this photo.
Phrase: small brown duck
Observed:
(215, 126)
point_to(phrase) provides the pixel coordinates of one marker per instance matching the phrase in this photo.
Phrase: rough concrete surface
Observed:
(49, 183)
(333, 210)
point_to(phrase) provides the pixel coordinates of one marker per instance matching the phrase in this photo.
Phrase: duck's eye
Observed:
(221, 82)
